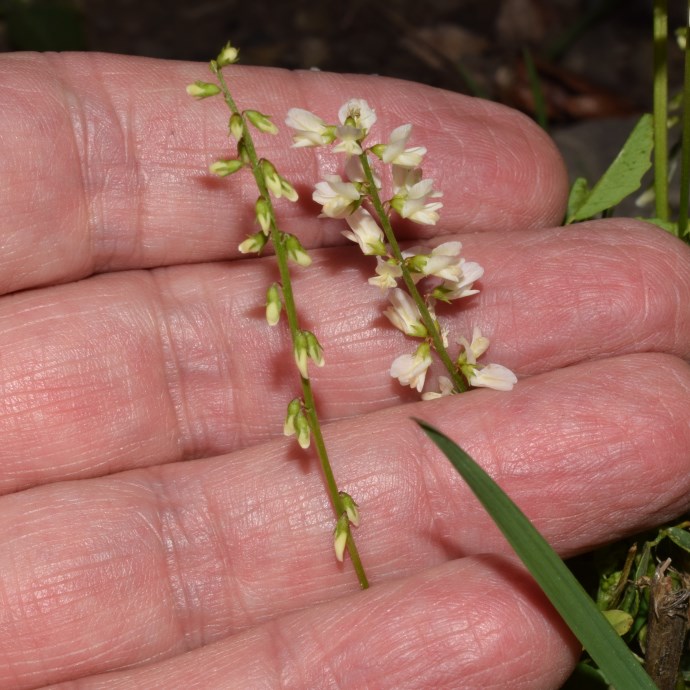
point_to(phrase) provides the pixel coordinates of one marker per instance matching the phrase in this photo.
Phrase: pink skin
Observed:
(132, 341)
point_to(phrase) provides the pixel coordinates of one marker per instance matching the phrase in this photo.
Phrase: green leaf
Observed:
(578, 195)
(623, 176)
(680, 537)
(668, 225)
(620, 620)
(566, 594)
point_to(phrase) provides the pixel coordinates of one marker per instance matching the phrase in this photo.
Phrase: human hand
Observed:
(159, 531)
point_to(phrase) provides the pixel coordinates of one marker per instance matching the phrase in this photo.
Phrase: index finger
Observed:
(105, 158)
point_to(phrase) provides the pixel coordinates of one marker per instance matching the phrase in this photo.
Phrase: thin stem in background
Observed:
(685, 149)
(661, 108)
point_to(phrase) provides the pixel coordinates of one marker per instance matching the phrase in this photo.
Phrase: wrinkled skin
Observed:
(158, 531)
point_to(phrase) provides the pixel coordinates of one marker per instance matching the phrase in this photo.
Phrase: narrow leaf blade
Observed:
(561, 587)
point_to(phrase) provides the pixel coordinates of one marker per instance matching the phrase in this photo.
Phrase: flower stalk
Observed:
(287, 247)
(459, 383)
(446, 275)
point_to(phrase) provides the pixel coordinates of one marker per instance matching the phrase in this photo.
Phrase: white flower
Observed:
(411, 370)
(475, 349)
(310, 130)
(337, 197)
(365, 231)
(462, 287)
(404, 314)
(445, 386)
(349, 140)
(411, 194)
(356, 118)
(386, 274)
(355, 173)
(493, 376)
(396, 153)
(444, 262)
(404, 178)
(359, 113)
(415, 205)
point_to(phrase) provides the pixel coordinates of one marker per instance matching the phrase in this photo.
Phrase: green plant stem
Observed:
(459, 381)
(278, 241)
(685, 139)
(661, 108)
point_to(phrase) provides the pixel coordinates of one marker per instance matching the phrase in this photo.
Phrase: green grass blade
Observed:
(540, 109)
(623, 176)
(660, 107)
(566, 594)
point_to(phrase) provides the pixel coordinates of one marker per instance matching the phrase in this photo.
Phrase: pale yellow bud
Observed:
(260, 121)
(263, 214)
(351, 508)
(236, 126)
(224, 168)
(273, 303)
(253, 244)
(296, 252)
(340, 536)
(228, 55)
(287, 190)
(293, 409)
(301, 354)
(314, 349)
(202, 89)
(303, 430)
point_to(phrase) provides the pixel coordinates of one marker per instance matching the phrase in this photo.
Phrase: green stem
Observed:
(661, 108)
(685, 149)
(278, 240)
(430, 324)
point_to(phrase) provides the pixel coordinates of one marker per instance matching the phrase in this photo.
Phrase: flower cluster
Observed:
(441, 271)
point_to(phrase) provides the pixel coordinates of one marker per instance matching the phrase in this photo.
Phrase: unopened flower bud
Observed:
(303, 430)
(277, 185)
(236, 126)
(340, 535)
(296, 251)
(271, 177)
(228, 55)
(242, 152)
(293, 409)
(253, 244)
(273, 301)
(263, 214)
(224, 168)
(350, 508)
(287, 190)
(417, 263)
(301, 353)
(378, 150)
(314, 349)
(260, 121)
(202, 89)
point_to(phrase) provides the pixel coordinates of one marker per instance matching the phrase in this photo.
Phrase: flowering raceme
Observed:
(441, 271)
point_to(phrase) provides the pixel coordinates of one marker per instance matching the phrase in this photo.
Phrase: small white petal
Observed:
(411, 370)
(494, 376)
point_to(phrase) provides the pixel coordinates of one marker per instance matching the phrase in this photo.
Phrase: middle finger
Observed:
(142, 368)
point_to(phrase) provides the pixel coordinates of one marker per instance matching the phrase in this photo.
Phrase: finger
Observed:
(138, 369)
(105, 161)
(143, 565)
(478, 623)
